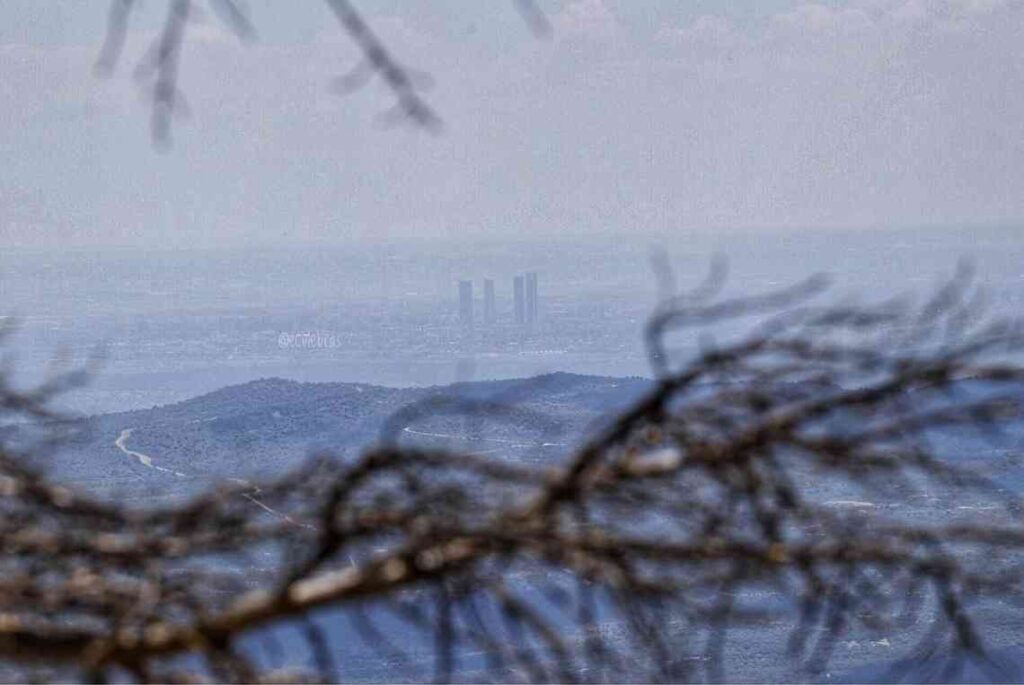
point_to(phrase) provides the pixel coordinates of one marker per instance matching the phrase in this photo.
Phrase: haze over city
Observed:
(566, 340)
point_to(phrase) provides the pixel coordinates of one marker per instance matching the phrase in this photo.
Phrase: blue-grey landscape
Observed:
(165, 325)
(524, 341)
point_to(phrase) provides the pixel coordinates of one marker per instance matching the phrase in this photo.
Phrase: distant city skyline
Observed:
(524, 301)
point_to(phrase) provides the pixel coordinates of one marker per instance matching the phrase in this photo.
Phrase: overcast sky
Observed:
(637, 116)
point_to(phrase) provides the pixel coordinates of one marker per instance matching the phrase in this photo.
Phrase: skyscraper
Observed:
(520, 299)
(531, 297)
(490, 309)
(466, 302)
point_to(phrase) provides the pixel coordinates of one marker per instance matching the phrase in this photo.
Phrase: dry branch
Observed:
(714, 484)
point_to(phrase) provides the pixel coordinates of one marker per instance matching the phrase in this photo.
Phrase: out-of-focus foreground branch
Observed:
(157, 72)
(636, 556)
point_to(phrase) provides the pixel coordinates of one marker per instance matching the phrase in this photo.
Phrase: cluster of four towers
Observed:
(524, 295)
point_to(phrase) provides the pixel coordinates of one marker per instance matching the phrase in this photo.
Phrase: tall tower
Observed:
(490, 310)
(531, 297)
(519, 292)
(466, 302)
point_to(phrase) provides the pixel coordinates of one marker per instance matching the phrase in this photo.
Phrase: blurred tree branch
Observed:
(714, 485)
(157, 72)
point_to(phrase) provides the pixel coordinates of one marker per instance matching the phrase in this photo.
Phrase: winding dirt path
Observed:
(147, 461)
(143, 459)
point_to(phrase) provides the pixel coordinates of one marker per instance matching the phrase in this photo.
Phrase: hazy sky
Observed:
(641, 116)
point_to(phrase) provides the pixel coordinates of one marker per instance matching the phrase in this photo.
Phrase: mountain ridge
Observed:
(261, 428)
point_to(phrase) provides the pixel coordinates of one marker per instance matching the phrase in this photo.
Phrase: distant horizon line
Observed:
(649, 236)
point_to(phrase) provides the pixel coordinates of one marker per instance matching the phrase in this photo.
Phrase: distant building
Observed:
(490, 308)
(466, 302)
(532, 304)
(519, 292)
